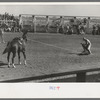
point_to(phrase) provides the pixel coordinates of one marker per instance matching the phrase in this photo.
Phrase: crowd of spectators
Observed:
(80, 26)
(7, 16)
(96, 29)
(75, 26)
(9, 22)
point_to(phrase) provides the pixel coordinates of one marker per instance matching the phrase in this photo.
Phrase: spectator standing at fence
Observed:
(78, 28)
(82, 29)
(94, 30)
(70, 30)
(2, 34)
(98, 29)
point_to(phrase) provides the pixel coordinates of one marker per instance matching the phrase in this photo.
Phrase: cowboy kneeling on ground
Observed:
(86, 46)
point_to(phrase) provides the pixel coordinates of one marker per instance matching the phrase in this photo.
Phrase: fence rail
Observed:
(80, 76)
(37, 23)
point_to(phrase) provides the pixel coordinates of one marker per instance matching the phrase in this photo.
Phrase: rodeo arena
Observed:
(49, 48)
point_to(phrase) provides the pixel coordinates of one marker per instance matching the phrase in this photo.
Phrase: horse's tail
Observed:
(7, 48)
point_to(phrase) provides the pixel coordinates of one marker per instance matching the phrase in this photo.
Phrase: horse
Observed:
(17, 45)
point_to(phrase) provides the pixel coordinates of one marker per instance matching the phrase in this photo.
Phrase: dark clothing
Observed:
(94, 30)
(24, 31)
(24, 36)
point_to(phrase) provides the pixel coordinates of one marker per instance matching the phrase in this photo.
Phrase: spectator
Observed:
(94, 30)
(1, 34)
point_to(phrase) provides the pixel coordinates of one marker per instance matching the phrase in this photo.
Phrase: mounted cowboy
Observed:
(17, 45)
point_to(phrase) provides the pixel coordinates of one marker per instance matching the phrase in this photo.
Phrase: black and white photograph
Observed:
(55, 43)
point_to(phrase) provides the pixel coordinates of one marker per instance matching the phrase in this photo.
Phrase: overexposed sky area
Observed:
(67, 10)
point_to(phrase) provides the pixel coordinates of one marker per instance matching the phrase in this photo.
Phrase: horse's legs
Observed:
(24, 57)
(14, 55)
(19, 62)
(8, 59)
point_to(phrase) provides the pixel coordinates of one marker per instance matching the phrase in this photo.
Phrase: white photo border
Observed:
(42, 90)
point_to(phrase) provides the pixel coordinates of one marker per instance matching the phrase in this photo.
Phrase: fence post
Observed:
(88, 25)
(34, 23)
(81, 77)
(62, 22)
(47, 24)
(58, 27)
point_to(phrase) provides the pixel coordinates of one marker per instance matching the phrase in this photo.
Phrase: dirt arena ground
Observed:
(49, 53)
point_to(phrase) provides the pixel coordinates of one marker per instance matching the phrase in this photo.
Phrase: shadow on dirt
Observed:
(79, 54)
(2, 64)
(73, 53)
(82, 54)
